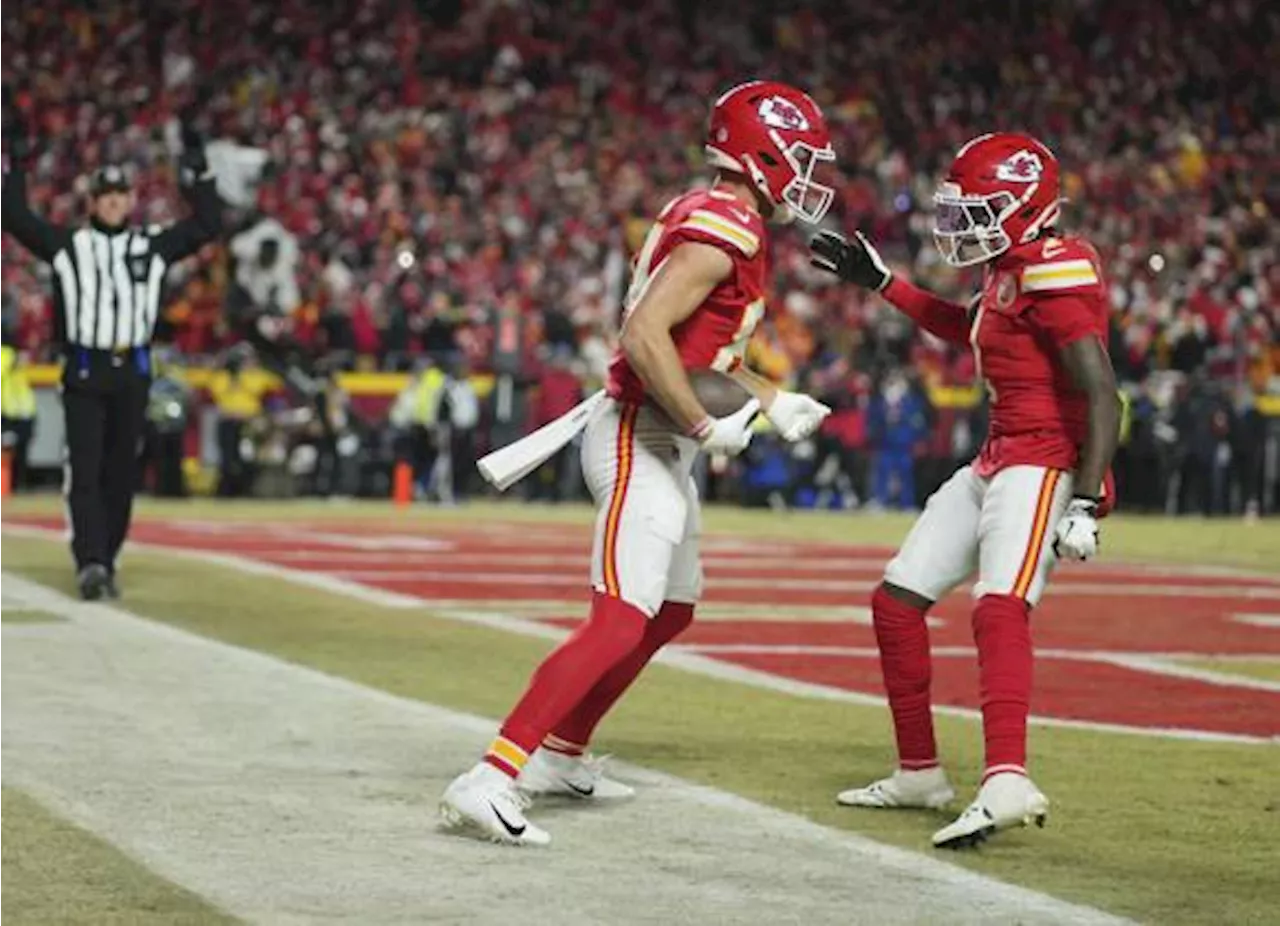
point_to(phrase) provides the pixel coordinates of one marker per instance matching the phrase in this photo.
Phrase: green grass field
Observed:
(55, 872)
(27, 616)
(1159, 830)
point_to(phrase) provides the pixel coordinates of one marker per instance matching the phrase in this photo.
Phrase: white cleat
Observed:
(484, 801)
(581, 777)
(1006, 799)
(924, 788)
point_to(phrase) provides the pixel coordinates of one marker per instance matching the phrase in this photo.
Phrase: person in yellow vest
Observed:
(416, 416)
(19, 418)
(168, 416)
(237, 393)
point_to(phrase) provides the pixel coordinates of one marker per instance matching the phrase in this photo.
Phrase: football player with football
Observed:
(1033, 495)
(697, 292)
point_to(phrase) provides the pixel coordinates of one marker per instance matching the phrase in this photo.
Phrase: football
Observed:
(719, 394)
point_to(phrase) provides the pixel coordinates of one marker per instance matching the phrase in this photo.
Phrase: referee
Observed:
(107, 281)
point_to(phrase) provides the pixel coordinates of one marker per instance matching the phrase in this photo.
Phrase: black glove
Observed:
(855, 261)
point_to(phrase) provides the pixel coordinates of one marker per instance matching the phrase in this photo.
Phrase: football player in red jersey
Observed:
(696, 295)
(1038, 331)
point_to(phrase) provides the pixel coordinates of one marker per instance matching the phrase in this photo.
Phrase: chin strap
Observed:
(781, 212)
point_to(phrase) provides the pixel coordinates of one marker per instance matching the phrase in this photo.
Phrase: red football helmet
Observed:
(774, 135)
(1001, 190)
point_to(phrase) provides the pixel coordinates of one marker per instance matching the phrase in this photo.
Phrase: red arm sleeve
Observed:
(939, 317)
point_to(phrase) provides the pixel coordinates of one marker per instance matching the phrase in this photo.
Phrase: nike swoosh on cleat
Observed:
(584, 792)
(513, 830)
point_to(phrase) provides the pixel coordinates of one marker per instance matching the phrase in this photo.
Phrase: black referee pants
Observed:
(105, 402)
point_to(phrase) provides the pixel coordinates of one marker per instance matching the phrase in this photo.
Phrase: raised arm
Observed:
(41, 238)
(857, 261)
(184, 238)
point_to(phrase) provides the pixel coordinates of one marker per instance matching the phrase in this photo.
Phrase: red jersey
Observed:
(715, 336)
(1035, 299)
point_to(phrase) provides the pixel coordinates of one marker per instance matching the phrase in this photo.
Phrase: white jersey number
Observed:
(733, 353)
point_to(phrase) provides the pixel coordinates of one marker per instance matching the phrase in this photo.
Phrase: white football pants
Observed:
(1002, 527)
(637, 469)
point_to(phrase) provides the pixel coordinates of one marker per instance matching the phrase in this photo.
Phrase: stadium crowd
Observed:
(425, 170)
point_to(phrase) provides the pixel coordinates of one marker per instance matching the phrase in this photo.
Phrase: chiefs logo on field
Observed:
(778, 113)
(1023, 167)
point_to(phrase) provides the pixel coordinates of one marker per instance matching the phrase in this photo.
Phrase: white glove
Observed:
(729, 434)
(1076, 536)
(796, 415)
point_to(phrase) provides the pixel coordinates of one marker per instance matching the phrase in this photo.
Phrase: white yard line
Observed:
(285, 795)
(690, 662)
(1143, 662)
(1153, 663)
(1270, 621)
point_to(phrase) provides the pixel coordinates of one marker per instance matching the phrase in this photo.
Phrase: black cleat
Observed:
(113, 590)
(95, 582)
(969, 841)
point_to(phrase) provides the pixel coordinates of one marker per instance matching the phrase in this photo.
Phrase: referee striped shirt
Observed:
(108, 281)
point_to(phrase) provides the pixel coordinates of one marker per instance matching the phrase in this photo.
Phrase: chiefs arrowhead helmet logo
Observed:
(1022, 167)
(779, 113)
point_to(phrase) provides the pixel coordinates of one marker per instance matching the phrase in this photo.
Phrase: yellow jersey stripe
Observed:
(718, 219)
(707, 228)
(1059, 265)
(1063, 282)
(722, 228)
(1059, 274)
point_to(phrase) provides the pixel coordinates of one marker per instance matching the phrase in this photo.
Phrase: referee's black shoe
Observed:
(95, 582)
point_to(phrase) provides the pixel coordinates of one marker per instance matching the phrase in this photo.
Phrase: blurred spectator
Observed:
(238, 399)
(338, 440)
(1205, 422)
(897, 423)
(415, 416)
(559, 390)
(238, 169)
(18, 403)
(477, 182)
(168, 413)
(459, 416)
(266, 280)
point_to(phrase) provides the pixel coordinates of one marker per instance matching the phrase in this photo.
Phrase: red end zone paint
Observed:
(1064, 688)
(482, 563)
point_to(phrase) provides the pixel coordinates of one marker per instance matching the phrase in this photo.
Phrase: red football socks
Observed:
(614, 630)
(574, 732)
(1002, 631)
(903, 638)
